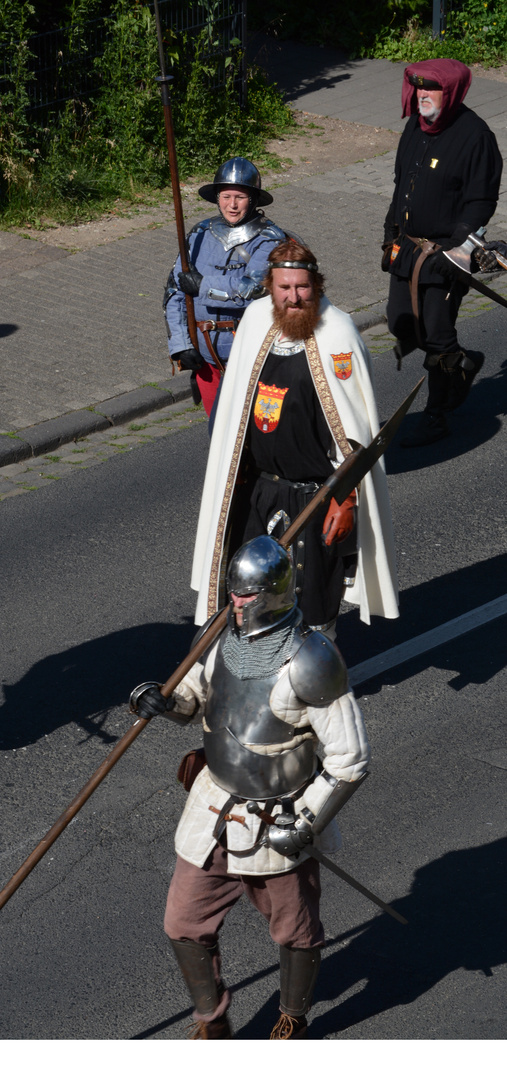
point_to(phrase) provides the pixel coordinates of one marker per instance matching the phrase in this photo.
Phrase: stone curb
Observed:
(371, 316)
(48, 436)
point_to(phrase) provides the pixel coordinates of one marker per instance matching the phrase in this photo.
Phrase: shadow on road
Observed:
(81, 684)
(7, 328)
(297, 68)
(456, 914)
(456, 919)
(425, 607)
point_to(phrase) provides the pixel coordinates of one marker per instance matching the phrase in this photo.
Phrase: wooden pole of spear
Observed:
(339, 485)
(164, 80)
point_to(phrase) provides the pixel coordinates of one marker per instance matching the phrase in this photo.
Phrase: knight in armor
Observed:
(268, 692)
(228, 257)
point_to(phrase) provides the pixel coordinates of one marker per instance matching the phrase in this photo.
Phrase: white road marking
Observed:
(425, 642)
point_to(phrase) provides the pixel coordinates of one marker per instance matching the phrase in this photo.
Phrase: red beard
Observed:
(298, 326)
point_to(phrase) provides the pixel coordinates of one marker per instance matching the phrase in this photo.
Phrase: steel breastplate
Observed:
(238, 717)
(232, 235)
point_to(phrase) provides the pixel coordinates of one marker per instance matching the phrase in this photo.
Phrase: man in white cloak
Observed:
(297, 396)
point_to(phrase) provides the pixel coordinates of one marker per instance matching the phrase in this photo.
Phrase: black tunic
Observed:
(288, 432)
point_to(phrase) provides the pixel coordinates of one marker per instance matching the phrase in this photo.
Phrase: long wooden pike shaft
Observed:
(164, 81)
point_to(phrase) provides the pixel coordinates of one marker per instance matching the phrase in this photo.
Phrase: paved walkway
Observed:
(82, 337)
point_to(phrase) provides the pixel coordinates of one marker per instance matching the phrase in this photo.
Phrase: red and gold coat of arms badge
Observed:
(268, 406)
(342, 364)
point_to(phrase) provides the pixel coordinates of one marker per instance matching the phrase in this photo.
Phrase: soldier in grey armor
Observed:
(267, 693)
(228, 260)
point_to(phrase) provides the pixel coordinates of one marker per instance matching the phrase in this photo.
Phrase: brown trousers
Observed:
(199, 900)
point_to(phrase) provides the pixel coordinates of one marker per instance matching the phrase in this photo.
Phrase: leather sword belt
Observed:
(222, 324)
(305, 486)
(428, 247)
(207, 326)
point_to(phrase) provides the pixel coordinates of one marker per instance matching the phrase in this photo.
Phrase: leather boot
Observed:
(432, 426)
(298, 974)
(461, 378)
(200, 969)
(215, 1029)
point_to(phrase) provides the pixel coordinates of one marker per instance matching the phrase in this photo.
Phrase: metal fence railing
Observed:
(61, 62)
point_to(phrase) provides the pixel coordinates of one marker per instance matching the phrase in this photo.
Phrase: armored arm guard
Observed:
(340, 791)
(318, 675)
(317, 672)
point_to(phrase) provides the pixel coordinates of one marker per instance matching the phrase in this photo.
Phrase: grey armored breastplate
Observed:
(232, 235)
(249, 751)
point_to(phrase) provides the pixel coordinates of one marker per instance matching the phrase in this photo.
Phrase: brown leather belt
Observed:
(207, 326)
(428, 247)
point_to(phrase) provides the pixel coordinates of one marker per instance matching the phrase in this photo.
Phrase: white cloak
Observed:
(348, 402)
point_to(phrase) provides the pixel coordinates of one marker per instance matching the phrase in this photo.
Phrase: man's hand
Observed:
(485, 258)
(389, 253)
(188, 359)
(339, 520)
(289, 838)
(190, 281)
(443, 266)
(147, 701)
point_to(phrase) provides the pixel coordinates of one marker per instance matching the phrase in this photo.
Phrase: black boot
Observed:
(432, 426)
(298, 974)
(461, 378)
(200, 969)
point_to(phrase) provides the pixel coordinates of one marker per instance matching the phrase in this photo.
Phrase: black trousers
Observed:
(438, 311)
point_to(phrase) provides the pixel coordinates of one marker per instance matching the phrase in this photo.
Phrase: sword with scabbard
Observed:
(310, 849)
(340, 484)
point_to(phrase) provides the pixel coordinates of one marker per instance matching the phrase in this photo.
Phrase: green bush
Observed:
(114, 146)
(476, 33)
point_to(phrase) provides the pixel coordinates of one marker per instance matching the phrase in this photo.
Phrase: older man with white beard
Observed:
(447, 178)
(297, 396)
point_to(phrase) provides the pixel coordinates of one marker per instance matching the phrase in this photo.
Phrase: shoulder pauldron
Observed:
(317, 672)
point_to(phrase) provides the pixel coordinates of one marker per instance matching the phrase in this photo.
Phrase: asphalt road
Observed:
(95, 598)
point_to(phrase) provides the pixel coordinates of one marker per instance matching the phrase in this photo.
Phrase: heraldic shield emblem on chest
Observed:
(268, 406)
(342, 364)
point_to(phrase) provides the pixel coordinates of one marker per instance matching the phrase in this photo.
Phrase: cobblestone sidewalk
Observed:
(94, 449)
